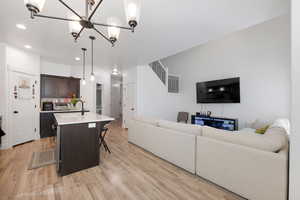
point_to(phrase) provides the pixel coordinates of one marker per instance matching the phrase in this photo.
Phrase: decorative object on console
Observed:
(204, 114)
(216, 122)
(78, 23)
(183, 117)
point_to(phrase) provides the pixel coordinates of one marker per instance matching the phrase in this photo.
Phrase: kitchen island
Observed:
(77, 141)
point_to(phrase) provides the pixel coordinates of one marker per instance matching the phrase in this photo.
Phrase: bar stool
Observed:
(102, 135)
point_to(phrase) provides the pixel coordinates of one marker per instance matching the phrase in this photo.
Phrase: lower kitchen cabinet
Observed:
(47, 125)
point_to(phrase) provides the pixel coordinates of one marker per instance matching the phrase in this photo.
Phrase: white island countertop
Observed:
(77, 118)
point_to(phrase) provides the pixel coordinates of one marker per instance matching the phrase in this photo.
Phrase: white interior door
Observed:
(22, 107)
(129, 104)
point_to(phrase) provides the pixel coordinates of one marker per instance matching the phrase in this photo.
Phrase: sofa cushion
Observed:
(184, 128)
(257, 124)
(273, 140)
(147, 120)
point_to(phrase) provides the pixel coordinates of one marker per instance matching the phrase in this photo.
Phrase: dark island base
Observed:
(78, 147)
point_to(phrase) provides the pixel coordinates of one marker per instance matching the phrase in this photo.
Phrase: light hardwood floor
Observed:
(127, 173)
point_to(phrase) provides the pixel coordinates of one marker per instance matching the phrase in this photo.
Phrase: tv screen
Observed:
(219, 91)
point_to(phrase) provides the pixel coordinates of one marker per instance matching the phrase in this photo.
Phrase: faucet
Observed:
(82, 106)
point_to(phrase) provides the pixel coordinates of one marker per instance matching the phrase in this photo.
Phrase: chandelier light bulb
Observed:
(83, 82)
(132, 10)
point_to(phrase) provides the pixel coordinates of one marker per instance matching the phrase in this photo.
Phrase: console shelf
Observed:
(216, 122)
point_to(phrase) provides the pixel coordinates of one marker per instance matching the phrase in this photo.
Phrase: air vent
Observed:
(173, 84)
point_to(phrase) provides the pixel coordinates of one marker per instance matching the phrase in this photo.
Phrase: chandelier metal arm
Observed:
(103, 35)
(56, 18)
(108, 25)
(70, 9)
(96, 8)
(78, 35)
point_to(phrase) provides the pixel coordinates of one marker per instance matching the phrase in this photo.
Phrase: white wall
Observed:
(295, 110)
(259, 55)
(153, 97)
(55, 69)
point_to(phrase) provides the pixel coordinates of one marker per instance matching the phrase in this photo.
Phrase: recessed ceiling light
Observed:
(27, 46)
(21, 26)
(77, 58)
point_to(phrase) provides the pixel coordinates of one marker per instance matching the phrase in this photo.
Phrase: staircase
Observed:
(170, 81)
(160, 71)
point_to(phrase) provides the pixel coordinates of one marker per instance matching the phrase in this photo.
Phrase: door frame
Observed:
(124, 111)
(102, 94)
(9, 110)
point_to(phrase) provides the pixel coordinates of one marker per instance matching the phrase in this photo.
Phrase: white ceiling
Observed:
(166, 27)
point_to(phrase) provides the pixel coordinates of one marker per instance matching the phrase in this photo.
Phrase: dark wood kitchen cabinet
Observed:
(59, 86)
(47, 125)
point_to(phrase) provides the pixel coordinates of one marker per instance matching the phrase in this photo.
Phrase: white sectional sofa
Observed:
(173, 142)
(251, 165)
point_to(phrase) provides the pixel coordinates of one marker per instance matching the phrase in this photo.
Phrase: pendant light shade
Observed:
(35, 6)
(92, 63)
(113, 32)
(74, 27)
(83, 64)
(132, 10)
(92, 77)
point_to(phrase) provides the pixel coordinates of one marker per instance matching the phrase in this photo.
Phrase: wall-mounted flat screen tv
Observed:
(219, 91)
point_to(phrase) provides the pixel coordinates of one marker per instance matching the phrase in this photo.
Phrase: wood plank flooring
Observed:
(128, 173)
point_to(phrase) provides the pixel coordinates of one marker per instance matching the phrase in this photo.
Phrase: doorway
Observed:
(129, 104)
(22, 107)
(99, 92)
(116, 96)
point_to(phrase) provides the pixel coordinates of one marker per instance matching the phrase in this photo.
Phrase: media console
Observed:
(216, 122)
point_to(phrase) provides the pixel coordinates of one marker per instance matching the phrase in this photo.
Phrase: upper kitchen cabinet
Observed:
(59, 86)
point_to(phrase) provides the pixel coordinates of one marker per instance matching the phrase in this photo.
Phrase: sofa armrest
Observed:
(249, 172)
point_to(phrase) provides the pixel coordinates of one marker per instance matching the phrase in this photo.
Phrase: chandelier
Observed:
(79, 23)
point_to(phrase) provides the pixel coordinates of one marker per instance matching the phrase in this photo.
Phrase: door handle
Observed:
(16, 112)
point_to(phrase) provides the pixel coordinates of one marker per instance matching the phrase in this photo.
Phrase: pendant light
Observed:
(92, 47)
(74, 26)
(132, 10)
(114, 30)
(85, 21)
(83, 63)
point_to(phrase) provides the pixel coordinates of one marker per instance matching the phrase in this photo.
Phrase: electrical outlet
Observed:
(92, 125)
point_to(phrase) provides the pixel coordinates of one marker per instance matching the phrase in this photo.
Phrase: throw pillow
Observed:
(262, 130)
